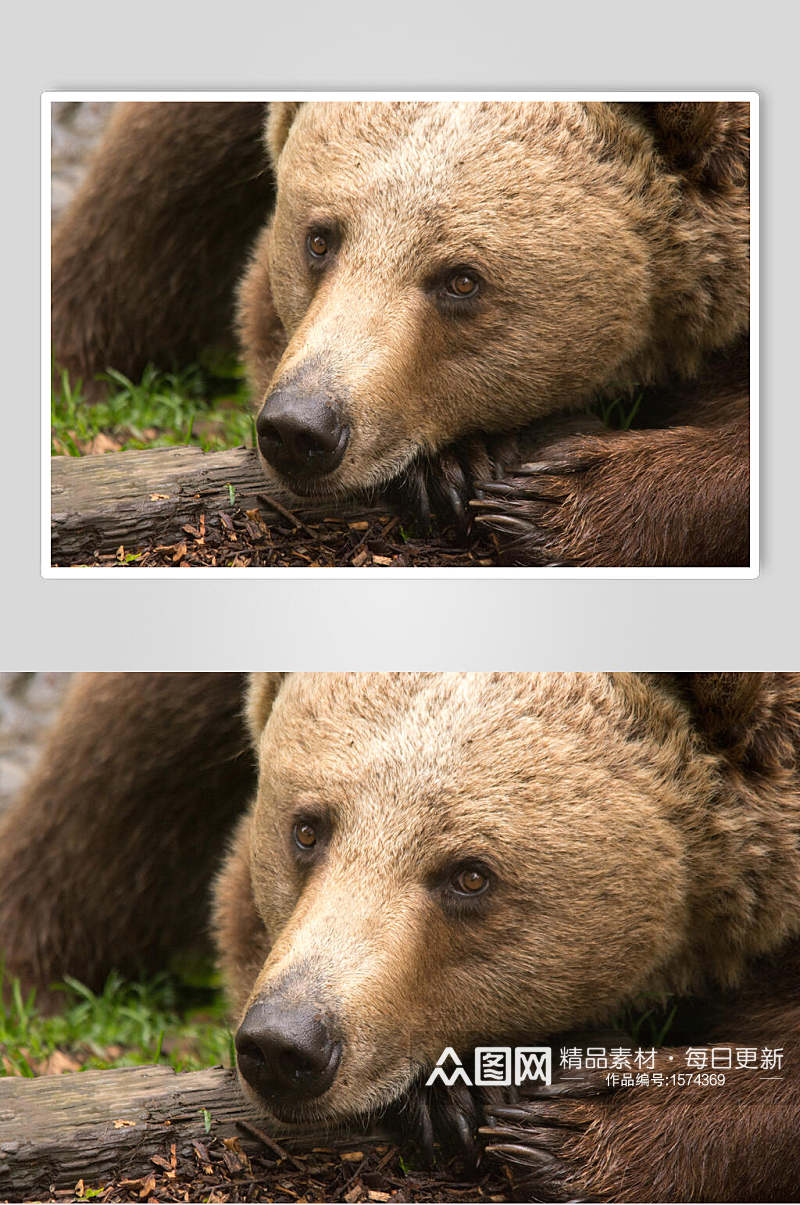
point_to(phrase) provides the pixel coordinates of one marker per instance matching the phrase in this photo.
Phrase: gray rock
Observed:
(76, 127)
(28, 706)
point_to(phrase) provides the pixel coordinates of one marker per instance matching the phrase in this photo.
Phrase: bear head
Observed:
(445, 268)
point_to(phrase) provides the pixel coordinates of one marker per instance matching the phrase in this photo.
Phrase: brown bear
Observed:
(439, 285)
(438, 861)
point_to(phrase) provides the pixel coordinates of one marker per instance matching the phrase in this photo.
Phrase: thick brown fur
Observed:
(612, 241)
(642, 833)
(146, 260)
(586, 496)
(106, 858)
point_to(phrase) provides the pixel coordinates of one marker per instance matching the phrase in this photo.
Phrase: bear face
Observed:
(444, 859)
(447, 268)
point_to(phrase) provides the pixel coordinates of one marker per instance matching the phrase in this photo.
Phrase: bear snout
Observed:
(287, 1052)
(302, 435)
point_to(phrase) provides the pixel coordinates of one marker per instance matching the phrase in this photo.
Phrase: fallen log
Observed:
(132, 499)
(103, 1126)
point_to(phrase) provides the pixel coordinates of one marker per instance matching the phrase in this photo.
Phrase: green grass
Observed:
(167, 1020)
(206, 406)
(618, 413)
(648, 1023)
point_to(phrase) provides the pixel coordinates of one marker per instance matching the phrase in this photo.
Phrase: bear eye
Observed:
(470, 880)
(318, 244)
(305, 835)
(463, 284)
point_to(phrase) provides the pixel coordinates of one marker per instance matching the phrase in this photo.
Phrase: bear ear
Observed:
(262, 690)
(707, 140)
(280, 116)
(750, 716)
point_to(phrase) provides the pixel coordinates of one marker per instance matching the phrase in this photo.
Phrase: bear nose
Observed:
(286, 1054)
(300, 434)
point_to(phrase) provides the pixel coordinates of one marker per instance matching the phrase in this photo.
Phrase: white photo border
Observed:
(391, 573)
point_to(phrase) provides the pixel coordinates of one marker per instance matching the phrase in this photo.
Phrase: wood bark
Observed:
(134, 498)
(101, 1126)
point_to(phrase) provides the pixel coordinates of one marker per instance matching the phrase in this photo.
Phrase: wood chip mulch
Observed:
(240, 539)
(220, 1170)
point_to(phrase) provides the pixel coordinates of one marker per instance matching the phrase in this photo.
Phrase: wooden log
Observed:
(134, 498)
(101, 1126)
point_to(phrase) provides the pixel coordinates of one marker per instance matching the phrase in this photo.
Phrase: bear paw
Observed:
(549, 1135)
(563, 507)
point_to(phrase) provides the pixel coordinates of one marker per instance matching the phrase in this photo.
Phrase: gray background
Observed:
(386, 624)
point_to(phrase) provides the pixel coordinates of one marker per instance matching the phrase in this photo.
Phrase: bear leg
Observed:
(147, 257)
(683, 1141)
(107, 856)
(673, 497)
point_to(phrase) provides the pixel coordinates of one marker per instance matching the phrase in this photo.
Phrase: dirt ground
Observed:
(221, 1171)
(240, 539)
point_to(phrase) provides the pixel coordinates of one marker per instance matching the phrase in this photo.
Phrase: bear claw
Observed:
(529, 1156)
(450, 1120)
(523, 1115)
(453, 481)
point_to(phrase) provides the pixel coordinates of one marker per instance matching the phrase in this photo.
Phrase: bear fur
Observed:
(640, 839)
(609, 248)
